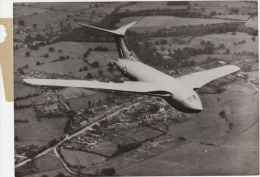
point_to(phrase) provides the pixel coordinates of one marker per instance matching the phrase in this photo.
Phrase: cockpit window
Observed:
(191, 98)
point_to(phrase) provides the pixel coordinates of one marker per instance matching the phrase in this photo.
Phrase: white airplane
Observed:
(178, 92)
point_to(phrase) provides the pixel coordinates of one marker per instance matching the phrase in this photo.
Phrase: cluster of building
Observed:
(55, 109)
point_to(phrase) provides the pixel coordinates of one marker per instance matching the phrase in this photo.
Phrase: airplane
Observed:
(178, 92)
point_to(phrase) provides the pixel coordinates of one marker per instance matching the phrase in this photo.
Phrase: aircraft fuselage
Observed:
(178, 96)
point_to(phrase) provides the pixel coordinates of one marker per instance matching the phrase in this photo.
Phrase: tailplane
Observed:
(119, 32)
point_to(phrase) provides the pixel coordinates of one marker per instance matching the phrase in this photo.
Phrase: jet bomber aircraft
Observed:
(178, 92)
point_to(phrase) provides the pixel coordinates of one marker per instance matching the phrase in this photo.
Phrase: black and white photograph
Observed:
(145, 88)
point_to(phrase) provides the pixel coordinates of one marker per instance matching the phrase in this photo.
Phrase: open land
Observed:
(74, 131)
(37, 132)
(157, 22)
(150, 5)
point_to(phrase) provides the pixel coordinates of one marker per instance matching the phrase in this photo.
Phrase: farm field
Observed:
(26, 11)
(52, 173)
(104, 148)
(30, 61)
(106, 7)
(204, 57)
(62, 9)
(37, 132)
(149, 22)
(42, 19)
(70, 93)
(225, 7)
(30, 100)
(22, 90)
(102, 57)
(232, 17)
(66, 6)
(48, 163)
(143, 134)
(253, 74)
(74, 50)
(223, 139)
(229, 4)
(228, 40)
(150, 5)
(231, 155)
(62, 67)
(83, 102)
(81, 158)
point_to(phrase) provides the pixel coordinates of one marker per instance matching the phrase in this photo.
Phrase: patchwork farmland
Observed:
(81, 132)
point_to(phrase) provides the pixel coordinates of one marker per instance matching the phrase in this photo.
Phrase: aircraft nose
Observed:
(196, 106)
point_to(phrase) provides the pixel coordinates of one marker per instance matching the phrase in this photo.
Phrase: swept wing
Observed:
(198, 79)
(128, 86)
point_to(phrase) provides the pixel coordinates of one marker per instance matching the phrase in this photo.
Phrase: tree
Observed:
(60, 175)
(227, 51)
(157, 43)
(51, 49)
(169, 50)
(46, 55)
(162, 48)
(27, 54)
(53, 142)
(85, 68)
(39, 37)
(21, 22)
(221, 46)
(246, 77)
(253, 38)
(212, 13)
(202, 43)
(20, 70)
(28, 39)
(222, 114)
(35, 26)
(89, 76)
(95, 64)
(100, 72)
(110, 66)
(108, 171)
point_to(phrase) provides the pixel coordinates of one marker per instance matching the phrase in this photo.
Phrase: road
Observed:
(89, 127)
(253, 86)
(66, 106)
(64, 164)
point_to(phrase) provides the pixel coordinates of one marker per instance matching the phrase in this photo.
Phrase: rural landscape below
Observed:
(64, 132)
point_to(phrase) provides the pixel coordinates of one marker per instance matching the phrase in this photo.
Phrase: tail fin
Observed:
(119, 32)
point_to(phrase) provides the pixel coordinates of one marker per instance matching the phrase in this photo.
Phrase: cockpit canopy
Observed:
(192, 98)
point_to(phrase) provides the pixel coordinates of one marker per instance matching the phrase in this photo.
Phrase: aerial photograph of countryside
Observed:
(160, 88)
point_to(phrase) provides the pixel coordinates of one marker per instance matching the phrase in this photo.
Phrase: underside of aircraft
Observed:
(178, 92)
